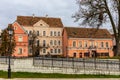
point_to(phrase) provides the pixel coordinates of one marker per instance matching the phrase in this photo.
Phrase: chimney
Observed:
(46, 15)
(33, 15)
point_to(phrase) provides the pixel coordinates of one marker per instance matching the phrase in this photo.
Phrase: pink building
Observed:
(21, 39)
(87, 42)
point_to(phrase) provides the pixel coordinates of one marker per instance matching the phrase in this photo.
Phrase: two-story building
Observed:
(87, 42)
(49, 32)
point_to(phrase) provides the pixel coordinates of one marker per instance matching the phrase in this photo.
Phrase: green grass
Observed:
(3, 74)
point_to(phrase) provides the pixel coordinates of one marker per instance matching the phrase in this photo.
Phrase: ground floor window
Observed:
(87, 54)
(20, 51)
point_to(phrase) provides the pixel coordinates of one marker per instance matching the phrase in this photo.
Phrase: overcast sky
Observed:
(64, 9)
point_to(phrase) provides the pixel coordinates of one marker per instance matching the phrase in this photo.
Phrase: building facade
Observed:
(48, 31)
(87, 42)
(21, 39)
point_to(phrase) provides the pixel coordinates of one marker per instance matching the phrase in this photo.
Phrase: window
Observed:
(74, 54)
(85, 44)
(96, 44)
(55, 42)
(44, 50)
(37, 33)
(54, 33)
(51, 50)
(92, 44)
(59, 43)
(80, 43)
(55, 50)
(30, 50)
(107, 45)
(44, 33)
(38, 42)
(59, 51)
(58, 33)
(74, 43)
(44, 43)
(51, 42)
(20, 51)
(30, 32)
(20, 38)
(102, 44)
(51, 33)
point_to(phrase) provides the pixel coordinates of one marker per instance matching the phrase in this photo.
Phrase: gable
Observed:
(41, 23)
(18, 29)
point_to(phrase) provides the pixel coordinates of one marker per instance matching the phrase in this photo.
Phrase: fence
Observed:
(63, 65)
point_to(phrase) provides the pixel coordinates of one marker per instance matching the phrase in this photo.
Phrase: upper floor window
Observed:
(44, 50)
(55, 50)
(37, 33)
(51, 50)
(96, 44)
(51, 33)
(58, 33)
(102, 44)
(85, 44)
(55, 33)
(107, 45)
(92, 44)
(30, 32)
(59, 43)
(59, 51)
(20, 51)
(38, 42)
(55, 42)
(51, 42)
(20, 38)
(44, 43)
(80, 43)
(74, 43)
(44, 33)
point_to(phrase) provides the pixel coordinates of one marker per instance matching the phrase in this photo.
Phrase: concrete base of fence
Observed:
(26, 65)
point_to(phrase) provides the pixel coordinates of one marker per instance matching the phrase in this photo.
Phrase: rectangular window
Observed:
(107, 45)
(59, 43)
(44, 33)
(51, 33)
(20, 38)
(55, 50)
(85, 44)
(54, 33)
(38, 42)
(51, 50)
(44, 50)
(37, 33)
(20, 51)
(74, 43)
(102, 44)
(59, 51)
(58, 33)
(80, 43)
(51, 42)
(44, 43)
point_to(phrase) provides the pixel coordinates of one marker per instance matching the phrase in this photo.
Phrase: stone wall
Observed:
(26, 65)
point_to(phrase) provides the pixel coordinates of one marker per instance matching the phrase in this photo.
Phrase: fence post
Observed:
(84, 65)
(42, 61)
(119, 64)
(107, 64)
(73, 62)
(95, 63)
(52, 62)
(62, 62)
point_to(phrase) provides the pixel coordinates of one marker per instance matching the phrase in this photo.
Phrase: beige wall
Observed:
(42, 26)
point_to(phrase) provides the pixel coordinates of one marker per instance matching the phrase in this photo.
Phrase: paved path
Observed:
(62, 79)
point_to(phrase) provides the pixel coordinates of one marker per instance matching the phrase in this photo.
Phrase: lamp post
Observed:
(10, 31)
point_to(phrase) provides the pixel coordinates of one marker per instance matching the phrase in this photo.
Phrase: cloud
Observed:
(56, 8)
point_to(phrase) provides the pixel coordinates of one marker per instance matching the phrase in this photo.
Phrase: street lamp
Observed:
(10, 31)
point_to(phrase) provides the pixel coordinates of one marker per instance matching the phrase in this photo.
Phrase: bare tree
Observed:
(96, 12)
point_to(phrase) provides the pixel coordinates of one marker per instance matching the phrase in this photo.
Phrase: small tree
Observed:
(96, 12)
(6, 44)
(33, 44)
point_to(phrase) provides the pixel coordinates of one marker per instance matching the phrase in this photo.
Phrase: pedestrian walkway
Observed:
(62, 79)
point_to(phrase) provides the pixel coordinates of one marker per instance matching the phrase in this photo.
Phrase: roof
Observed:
(30, 21)
(74, 32)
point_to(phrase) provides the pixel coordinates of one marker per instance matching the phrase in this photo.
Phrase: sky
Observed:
(64, 9)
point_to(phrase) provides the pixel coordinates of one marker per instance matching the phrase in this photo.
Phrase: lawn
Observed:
(3, 74)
